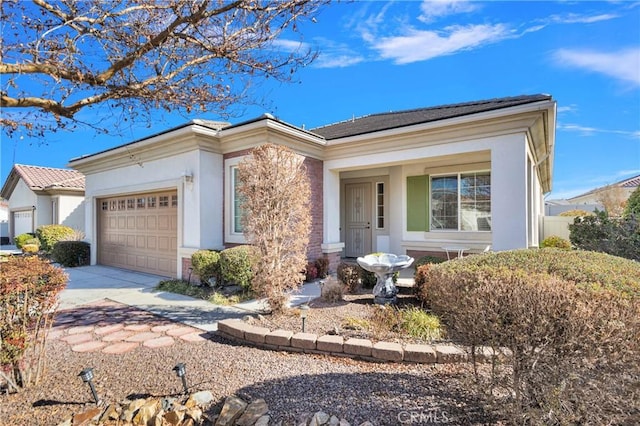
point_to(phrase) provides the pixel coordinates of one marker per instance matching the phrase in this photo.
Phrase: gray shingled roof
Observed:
(392, 120)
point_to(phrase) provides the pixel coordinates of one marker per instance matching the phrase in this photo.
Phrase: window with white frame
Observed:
(380, 205)
(461, 202)
(236, 203)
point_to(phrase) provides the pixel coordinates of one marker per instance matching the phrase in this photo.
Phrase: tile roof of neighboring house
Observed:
(43, 178)
(632, 182)
(392, 120)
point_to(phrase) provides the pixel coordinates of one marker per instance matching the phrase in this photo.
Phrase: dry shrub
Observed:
(322, 265)
(575, 348)
(332, 290)
(29, 288)
(349, 275)
(275, 192)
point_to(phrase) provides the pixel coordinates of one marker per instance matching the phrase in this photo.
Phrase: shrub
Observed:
(237, 265)
(424, 260)
(569, 319)
(616, 236)
(575, 212)
(71, 253)
(22, 239)
(322, 265)
(29, 288)
(30, 248)
(311, 272)
(332, 290)
(349, 275)
(183, 287)
(557, 242)
(49, 235)
(632, 208)
(418, 323)
(206, 264)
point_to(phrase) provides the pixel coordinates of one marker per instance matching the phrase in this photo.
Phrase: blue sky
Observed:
(390, 56)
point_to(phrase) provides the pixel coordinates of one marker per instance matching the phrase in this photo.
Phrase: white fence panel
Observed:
(555, 225)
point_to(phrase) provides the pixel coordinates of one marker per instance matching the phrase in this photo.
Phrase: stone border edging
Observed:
(284, 340)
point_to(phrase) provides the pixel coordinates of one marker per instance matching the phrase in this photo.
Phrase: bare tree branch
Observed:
(59, 57)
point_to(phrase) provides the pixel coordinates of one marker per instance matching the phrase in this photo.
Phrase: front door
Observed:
(357, 219)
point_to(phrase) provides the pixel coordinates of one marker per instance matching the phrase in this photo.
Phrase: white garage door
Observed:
(139, 232)
(22, 222)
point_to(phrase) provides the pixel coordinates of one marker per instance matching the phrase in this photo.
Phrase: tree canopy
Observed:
(135, 56)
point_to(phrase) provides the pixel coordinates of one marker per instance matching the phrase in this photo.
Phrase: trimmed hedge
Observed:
(237, 264)
(71, 253)
(22, 239)
(206, 264)
(570, 320)
(557, 242)
(49, 235)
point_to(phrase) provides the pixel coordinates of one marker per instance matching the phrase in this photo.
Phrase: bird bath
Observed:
(384, 265)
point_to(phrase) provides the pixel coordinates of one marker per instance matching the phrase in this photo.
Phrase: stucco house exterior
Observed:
(470, 174)
(43, 196)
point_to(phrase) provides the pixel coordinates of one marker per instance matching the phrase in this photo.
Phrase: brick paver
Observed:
(113, 328)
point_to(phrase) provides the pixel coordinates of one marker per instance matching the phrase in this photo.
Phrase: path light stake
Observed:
(87, 376)
(181, 371)
(304, 310)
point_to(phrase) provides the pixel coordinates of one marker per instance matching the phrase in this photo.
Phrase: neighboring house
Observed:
(622, 190)
(43, 196)
(471, 174)
(558, 206)
(4, 222)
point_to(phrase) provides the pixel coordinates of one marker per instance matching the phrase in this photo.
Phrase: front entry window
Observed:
(461, 202)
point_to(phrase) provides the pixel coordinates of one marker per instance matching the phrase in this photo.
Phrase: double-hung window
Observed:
(236, 203)
(452, 202)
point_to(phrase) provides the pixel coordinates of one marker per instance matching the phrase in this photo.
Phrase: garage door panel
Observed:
(139, 232)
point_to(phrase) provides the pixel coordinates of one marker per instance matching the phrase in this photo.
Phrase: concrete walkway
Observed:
(89, 284)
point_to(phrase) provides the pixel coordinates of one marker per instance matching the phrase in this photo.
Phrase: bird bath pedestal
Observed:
(384, 266)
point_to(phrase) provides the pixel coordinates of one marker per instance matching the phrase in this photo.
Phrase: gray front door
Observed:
(358, 219)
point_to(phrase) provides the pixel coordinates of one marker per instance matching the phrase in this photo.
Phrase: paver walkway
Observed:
(114, 328)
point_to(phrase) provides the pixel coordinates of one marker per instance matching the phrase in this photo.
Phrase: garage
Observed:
(139, 232)
(22, 222)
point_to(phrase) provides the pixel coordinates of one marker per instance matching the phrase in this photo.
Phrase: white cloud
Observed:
(290, 45)
(588, 131)
(432, 10)
(573, 18)
(567, 108)
(623, 65)
(336, 61)
(416, 45)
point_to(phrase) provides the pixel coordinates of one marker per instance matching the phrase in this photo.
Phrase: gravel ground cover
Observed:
(294, 385)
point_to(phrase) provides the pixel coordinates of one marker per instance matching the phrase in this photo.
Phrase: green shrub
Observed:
(557, 242)
(322, 265)
(349, 275)
(206, 264)
(29, 289)
(418, 323)
(632, 208)
(237, 265)
(71, 253)
(30, 248)
(570, 320)
(424, 260)
(183, 287)
(616, 236)
(22, 239)
(49, 235)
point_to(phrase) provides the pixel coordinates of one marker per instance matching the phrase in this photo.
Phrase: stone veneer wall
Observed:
(280, 340)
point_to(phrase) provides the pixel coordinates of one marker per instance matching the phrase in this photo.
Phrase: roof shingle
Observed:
(392, 120)
(40, 178)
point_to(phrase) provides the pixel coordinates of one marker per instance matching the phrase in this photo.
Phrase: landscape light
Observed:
(304, 311)
(181, 371)
(87, 376)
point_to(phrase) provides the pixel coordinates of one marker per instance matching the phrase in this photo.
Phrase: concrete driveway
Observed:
(89, 284)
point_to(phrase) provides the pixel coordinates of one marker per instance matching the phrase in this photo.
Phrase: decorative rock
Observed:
(320, 418)
(86, 417)
(199, 399)
(330, 343)
(195, 414)
(66, 422)
(254, 411)
(334, 421)
(129, 411)
(387, 351)
(343, 422)
(146, 412)
(111, 413)
(263, 421)
(361, 347)
(279, 338)
(231, 411)
(367, 423)
(174, 418)
(304, 340)
(420, 353)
